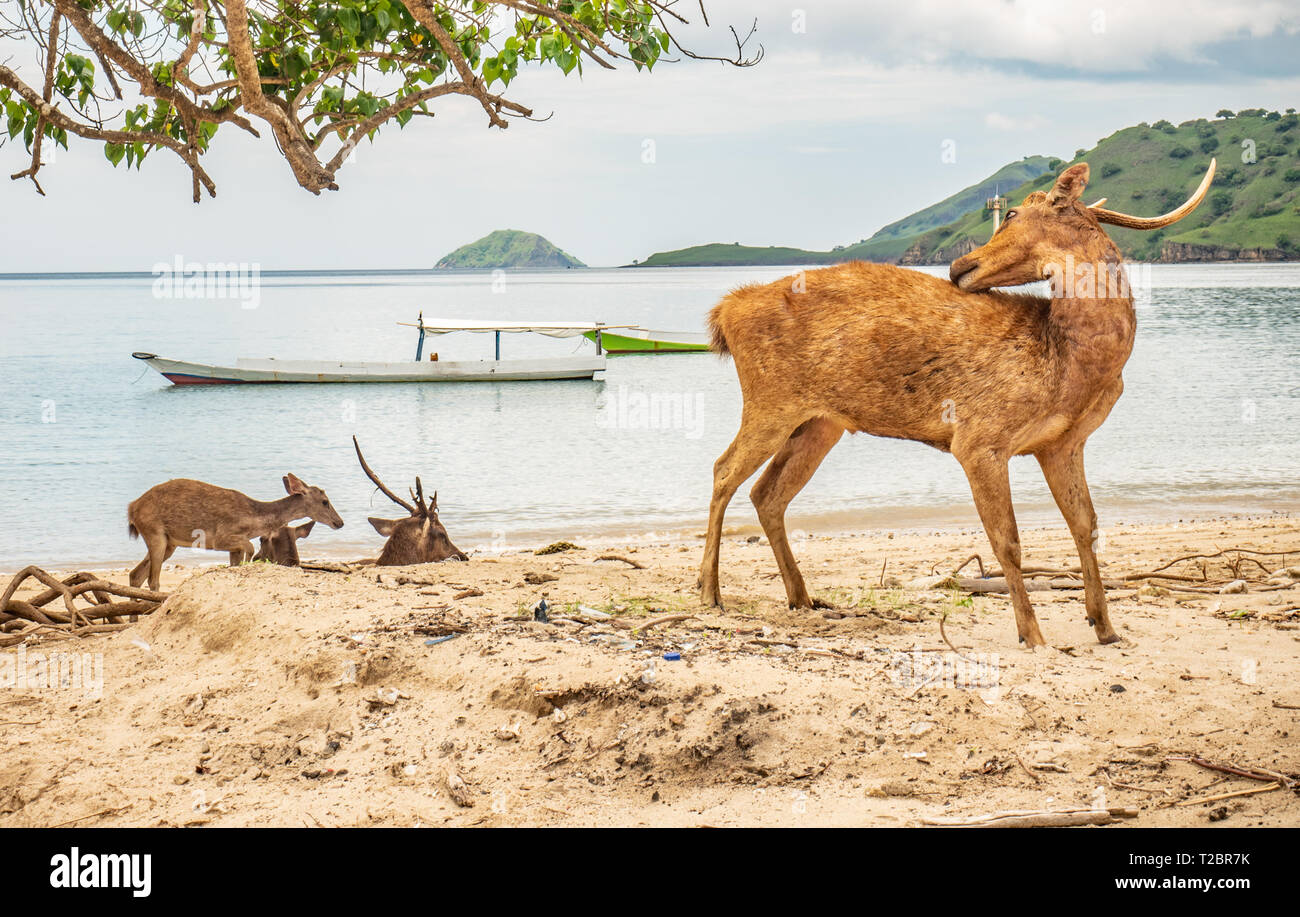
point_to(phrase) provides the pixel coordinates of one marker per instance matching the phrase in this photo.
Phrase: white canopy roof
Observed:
(550, 329)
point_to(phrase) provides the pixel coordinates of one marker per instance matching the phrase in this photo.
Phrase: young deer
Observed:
(192, 514)
(982, 374)
(417, 539)
(281, 546)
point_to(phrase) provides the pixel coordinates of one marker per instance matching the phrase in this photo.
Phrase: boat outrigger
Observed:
(646, 340)
(580, 366)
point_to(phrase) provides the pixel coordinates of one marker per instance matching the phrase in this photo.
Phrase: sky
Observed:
(841, 129)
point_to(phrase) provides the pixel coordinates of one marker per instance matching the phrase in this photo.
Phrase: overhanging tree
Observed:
(146, 75)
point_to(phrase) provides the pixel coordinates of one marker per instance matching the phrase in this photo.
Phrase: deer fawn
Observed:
(417, 539)
(281, 546)
(185, 513)
(982, 374)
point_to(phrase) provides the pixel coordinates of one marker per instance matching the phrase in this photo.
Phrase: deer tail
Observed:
(717, 337)
(131, 530)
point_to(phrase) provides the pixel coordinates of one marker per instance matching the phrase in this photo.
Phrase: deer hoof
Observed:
(1111, 637)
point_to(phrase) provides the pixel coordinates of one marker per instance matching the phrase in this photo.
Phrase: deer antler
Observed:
(380, 484)
(419, 497)
(1116, 218)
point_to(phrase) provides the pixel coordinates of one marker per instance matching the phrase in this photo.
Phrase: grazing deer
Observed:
(417, 539)
(982, 374)
(192, 514)
(281, 546)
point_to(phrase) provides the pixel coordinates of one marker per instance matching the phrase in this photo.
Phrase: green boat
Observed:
(644, 340)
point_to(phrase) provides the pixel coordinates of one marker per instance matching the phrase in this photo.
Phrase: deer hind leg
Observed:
(160, 548)
(990, 485)
(790, 469)
(1063, 469)
(753, 445)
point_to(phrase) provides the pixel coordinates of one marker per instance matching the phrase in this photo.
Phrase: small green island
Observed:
(506, 249)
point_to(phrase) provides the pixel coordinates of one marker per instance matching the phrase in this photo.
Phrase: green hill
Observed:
(508, 248)
(1252, 212)
(886, 245)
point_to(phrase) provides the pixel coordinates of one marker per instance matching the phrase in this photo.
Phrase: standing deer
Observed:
(192, 514)
(281, 546)
(417, 539)
(982, 374)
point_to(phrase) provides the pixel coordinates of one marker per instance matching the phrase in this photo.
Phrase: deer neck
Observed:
(270, 515)
(1091, 322)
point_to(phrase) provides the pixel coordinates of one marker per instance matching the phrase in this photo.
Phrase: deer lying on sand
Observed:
(192, 514)
(982, 374)
(281, 546)
(417, 539)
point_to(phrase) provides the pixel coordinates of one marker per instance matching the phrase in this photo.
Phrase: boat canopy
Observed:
(550, 329)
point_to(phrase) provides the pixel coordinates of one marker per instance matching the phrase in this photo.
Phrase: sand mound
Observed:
(271, 696)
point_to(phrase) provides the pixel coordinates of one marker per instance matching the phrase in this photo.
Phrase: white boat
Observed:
(245, 371)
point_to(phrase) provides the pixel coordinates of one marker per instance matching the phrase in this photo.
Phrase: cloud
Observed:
(1047, 36)
(1000, 122)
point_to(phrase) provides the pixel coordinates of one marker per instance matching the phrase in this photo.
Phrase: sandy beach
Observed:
(264, 695)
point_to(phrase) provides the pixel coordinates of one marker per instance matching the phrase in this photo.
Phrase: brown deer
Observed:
(192, 514)
(982, 374)
(281, 546)
(417, 539)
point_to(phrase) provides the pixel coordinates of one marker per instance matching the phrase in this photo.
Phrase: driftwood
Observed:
(993, 581)
(653, 622)
(101, 611)
(627, 560)
(1061, 818)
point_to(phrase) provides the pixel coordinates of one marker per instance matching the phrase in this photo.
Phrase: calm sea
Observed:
(1209, 423)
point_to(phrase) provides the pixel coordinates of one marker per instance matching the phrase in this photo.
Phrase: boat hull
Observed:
(246, 372)
(647, 341)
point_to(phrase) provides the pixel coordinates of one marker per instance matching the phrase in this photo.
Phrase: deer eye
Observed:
(1010, 214)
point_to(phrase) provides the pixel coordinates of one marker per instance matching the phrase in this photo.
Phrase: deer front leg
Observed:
(753, 445)
(790, 469)
(991, 487)
(1063, 469)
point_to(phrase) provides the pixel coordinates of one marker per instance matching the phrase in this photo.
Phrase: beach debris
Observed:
(98, 613)
(672, 657)
(1059, 818)
(539, 611)
(558, 715)
(588, 612)
(1234, 587)
(386, 697)
(510, 731)
(648, 674)
(1289, 781)
(557, 547)
(612, 640)
(436, 640)
(537, 579)
(457, 790)
(471, 592)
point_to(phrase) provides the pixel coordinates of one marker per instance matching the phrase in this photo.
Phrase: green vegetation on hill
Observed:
(1251, 213)
(508, 248)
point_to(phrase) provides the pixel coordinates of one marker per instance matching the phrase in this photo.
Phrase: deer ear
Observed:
(384, 527)
(1069, 186)
(292, 485)
(302, 531)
